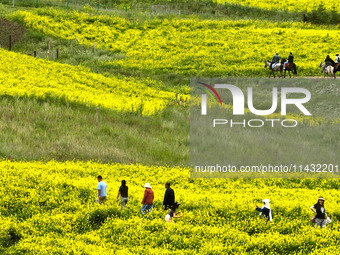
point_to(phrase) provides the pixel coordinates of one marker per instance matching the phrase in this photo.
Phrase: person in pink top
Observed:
(147, 199)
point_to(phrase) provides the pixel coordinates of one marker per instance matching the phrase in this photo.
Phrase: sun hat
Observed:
(266, 200)
(321, 198)
(147, 185)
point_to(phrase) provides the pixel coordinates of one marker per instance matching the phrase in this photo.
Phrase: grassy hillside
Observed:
(190, 47)
(47, 128)
(58, 144)
(26, 76)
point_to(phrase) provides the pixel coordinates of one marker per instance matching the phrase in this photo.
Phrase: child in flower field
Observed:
(265, 210)
(320, 218)
(172, 213)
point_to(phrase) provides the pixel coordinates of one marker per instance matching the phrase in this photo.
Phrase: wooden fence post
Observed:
(97, 116)
(35, 54)
(10, 42)
(94, 46)
(176, 99)
(180, 100)
(57, 53)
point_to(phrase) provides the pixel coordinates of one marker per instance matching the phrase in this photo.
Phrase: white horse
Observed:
(328, 70)
(277, 68)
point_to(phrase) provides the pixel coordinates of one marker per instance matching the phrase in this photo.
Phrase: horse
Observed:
(291, 67)
(277, 68)
(328, 70)
(336, 68)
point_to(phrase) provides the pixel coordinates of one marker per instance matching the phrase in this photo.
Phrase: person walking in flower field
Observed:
(147, 199)
(124, 196)
(169, 196)
(101, 197)
(265, 210)
(172, 214)
(320, 217)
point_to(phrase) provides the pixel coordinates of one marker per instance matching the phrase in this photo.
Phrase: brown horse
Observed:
(291, 67)
(336, 69)
(278, 68)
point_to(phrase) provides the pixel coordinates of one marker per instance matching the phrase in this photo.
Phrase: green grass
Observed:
(45, 129)
(70, 52)
(54, 129)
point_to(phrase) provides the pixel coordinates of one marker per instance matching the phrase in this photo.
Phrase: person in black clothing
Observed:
(328, 62)
(169, 196)
(320, 213)
(124, 196)
(290, 58)
(265, 210)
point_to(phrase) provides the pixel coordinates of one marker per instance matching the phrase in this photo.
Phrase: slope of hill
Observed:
(191, 46)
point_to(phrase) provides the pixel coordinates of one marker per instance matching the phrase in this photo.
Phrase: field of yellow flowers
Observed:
(49, 208)
(22, 75)
(191, 46)
(286, 5)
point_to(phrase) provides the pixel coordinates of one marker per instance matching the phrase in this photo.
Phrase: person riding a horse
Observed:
(290, 60)
(328, 62)
(276, 59)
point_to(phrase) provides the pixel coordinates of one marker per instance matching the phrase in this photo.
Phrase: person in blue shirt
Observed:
(265, 210)
(101, 190)
(275, 60)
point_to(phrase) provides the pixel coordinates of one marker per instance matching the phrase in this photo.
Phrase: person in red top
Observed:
(147, 199)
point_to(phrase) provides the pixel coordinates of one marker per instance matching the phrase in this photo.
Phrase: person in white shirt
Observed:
(337, 58)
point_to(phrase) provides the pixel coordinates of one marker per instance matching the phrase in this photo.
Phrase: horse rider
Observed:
(290, 60)
(328, 62)
(337, 58)
(276, 59)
